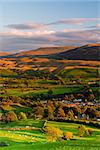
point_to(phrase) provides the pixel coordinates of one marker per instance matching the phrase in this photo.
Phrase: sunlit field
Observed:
(16, 138)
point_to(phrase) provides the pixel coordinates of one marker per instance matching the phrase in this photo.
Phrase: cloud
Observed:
(97, 26)
(80, 37)
(22, 36)
(72, 21)
(19, 33)
(17, 39)
(26, 26)
(77, 21)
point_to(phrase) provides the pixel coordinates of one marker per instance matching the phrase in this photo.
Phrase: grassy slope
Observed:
(36, 140)
(86, 74)
(56, 90)
(82, 72)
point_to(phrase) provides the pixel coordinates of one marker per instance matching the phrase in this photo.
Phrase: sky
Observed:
(32, 24)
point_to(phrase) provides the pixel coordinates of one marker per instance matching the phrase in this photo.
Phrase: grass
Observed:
(56, 90)
(17, 87)
(69, 145)
(66, 145)
(82, 72)
(36, 140)
(30, 122)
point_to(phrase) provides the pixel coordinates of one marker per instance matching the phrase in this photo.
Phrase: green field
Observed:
(19, 91)
(32, 83)
(36, 139)
(81, 72)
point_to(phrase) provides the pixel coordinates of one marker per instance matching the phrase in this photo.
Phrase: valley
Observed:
(47, 99)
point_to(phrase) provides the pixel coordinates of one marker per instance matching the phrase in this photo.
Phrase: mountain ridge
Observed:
(85, 52)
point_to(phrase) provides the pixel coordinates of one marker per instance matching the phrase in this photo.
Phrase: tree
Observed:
(82, 131)
(22, 116)
(76, 110)
(1, 115)
(91, 97)
(71, 98)
(26, 82)
(11, 116)
(61, 112)
(50, 112)
(97, 114)
(90, 131)
(50, 92)
(53, 133)
(38, 112)
(67, 135)
(70, 114)
(91, 112)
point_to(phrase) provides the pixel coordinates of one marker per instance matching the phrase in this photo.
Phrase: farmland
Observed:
(31, 139)
(66, 81)
(49, 103)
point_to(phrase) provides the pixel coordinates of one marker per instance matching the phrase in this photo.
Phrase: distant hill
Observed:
(87, 52)
(44, 51)
(5, 53)
(52, 58)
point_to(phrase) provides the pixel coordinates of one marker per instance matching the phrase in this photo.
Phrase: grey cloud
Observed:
(82, 34)
(25, 26)
(76, 21)
(73, 21)
(60, 38)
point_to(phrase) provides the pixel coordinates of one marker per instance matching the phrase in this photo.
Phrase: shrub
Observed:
(70, 115)
(90, 131)
(3, 144)
(50, 92)
(11, 116)
(53, 133)
(38, 112)
(50, 111)
(60, 113)
(1, 115)
(22, 116)
(67, 135)
(82, 131)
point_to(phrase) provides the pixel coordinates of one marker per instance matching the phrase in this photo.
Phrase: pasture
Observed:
(36, 139)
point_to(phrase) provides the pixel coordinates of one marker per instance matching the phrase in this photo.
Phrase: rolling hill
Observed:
(87, 52)
(45, 51)
(49, 57)
(5, 53)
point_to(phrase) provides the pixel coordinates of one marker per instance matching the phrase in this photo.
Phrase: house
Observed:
(77, 100)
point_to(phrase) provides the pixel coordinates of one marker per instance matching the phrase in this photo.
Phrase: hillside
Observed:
(44, 51)
(52, 57)
(5, 53)
(87, 52)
